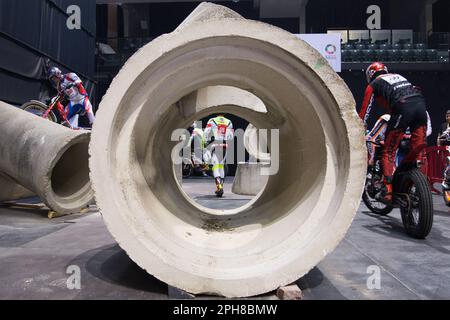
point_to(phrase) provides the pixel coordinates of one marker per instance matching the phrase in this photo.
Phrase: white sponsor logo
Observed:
(393, 78)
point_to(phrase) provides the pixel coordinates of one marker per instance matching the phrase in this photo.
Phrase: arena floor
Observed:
(36, 252)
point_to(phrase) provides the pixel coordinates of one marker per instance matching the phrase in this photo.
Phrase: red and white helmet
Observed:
(375, 68)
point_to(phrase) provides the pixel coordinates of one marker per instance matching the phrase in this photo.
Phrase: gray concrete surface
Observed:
(292, 226)
(35, 253)
(46, 158)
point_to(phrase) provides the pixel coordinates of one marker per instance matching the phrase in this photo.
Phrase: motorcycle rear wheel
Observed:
(418, 220)
(38, 108)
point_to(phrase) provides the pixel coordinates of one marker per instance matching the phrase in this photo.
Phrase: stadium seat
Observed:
(360, 46)
(393, 55)
(385, 46)
(420, 55)
(420, 46)
(432, 55)
(397, 46)
(380, 42)
(367, 55)
(355, 55)
(406, 55)
(348, 46)
(345, 55)
(381, 55)
(407, 46)
(372, 46)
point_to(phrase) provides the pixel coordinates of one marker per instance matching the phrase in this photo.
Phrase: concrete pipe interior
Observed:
(299, 217)
(70, 174)
(210, 101)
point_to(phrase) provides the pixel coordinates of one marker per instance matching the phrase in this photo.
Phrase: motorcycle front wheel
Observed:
(418, 219)
(373, 204)
(38, 108)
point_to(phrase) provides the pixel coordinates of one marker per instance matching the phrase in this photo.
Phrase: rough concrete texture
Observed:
(11, 190)
(305, 209)
(248, 179)
(46, 158)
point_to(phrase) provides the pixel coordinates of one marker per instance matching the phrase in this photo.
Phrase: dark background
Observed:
(33, 35)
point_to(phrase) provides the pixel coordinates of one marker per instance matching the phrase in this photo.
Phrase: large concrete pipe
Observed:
(46, 158)
(11, 190)
(305, 209)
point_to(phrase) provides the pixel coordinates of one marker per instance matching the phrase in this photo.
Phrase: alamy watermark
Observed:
(374, 279)
(374, 20)
(74, 280)
(192, 148)
(73, 22)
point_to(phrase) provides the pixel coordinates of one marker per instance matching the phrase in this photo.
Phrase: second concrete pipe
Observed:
(45, 158)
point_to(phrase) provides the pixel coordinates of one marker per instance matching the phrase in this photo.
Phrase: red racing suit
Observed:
(406, 105)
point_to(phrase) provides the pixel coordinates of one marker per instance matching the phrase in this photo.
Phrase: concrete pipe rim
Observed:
(69, 187)
(177, 263)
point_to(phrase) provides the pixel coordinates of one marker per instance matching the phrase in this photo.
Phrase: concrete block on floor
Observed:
(248, 179)
(291, 292)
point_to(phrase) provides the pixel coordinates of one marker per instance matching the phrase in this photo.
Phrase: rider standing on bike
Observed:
(218, 131)
(406, 105)
(73, 89)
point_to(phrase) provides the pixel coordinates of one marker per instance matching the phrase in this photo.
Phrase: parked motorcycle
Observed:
(410, 193)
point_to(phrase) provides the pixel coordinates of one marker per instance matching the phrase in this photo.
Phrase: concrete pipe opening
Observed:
(46, 158)
(306, 207)
(70, 175)
(239, 106)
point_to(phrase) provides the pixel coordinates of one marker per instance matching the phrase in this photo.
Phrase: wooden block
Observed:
(291, 292)
(85, 210)
(54, 214)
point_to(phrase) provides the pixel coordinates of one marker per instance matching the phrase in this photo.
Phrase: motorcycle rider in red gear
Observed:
(75, 92)
(406, 105)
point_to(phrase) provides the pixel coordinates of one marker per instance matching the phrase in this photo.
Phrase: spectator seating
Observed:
(420, 46)
(381, 50)
(385, 46)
